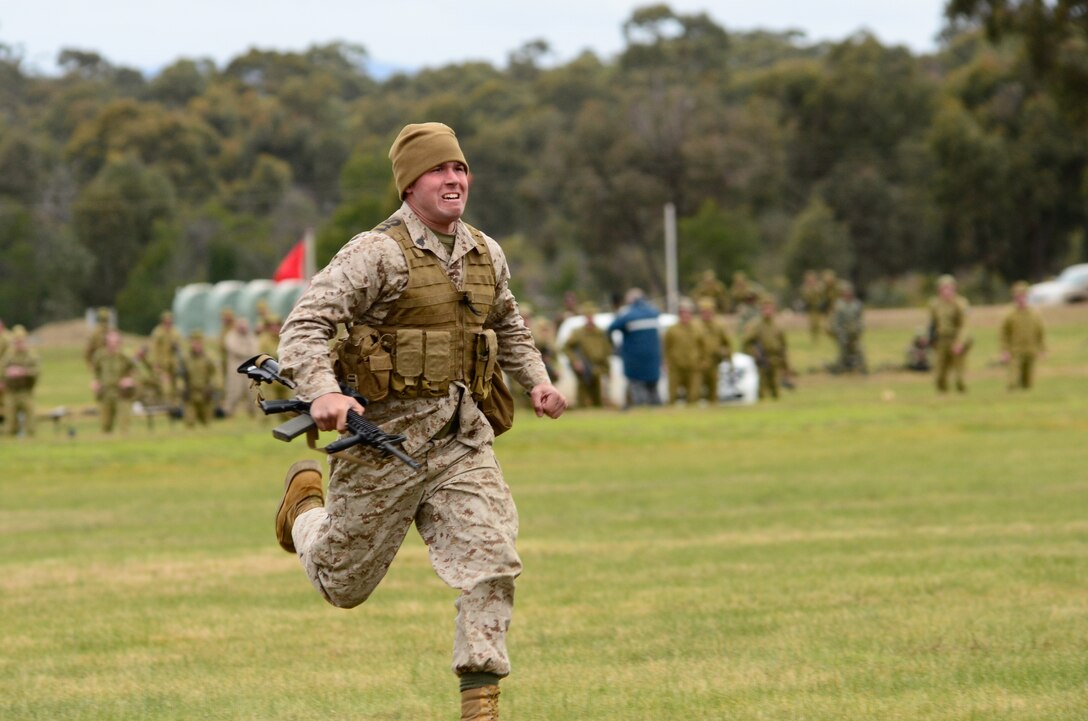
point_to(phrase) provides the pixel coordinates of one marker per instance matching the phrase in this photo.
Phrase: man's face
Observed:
(439, 196)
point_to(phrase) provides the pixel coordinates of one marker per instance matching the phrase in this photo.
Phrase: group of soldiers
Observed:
(694, 348)
(187, 378)
(183, 377)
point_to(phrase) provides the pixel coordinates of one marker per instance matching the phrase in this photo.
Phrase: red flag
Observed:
(290, 268)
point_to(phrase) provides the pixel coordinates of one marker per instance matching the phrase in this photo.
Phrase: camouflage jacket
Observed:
(360, 285)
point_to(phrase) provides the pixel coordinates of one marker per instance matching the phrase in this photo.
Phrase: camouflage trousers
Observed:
(465, 514)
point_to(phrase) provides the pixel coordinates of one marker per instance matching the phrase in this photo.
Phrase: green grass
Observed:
(862, 549)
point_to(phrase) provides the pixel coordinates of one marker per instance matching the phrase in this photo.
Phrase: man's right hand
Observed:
(330, 411)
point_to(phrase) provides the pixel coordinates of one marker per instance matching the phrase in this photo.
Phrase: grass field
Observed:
(862, 549)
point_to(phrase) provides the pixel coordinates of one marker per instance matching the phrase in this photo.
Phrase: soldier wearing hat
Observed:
(164, 353)
(589, 350)
(201, 384)
(717, 347)
(709, 287)
(114, 384)
(846, 325)
(948, 333)
(20, 375)
(766, 343)
(432, 324)
(1022, 339)
(98, 335)
(814, 298)
(684, 357)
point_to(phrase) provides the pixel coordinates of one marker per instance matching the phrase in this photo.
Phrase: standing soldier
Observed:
(1022, 339)
(847, 325)
(98, 335)
(268, 342)
(814, 298)
(745, 297)
(200, 376)
(165, 349)
(766, 343)
(241, 345)
(589, 352)
(543, 337)
(710, 287)
(20, 367)
(114, 384)
(948, 331)
(148, 391)
(830, 282)
(5, 346)
(226, 325)
(717, 347)
(684, 354)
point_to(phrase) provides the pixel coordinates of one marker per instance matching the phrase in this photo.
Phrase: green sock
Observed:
(478, 680)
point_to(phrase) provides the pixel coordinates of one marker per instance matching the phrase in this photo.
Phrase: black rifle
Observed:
(265, 369)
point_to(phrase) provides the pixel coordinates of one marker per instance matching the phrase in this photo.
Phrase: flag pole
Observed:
(309, 258)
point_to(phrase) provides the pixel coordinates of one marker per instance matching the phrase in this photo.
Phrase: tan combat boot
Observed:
(301, 492)
(480, 704)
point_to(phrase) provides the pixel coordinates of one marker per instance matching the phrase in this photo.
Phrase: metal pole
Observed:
(672, 287)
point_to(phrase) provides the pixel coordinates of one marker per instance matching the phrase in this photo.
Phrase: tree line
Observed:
(779, 155)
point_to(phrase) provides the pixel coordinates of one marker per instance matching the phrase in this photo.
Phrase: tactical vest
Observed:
(433, 334)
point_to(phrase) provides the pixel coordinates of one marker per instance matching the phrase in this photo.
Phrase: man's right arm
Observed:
(368, 271)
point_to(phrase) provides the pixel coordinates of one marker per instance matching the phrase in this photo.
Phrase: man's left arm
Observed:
(518, 354)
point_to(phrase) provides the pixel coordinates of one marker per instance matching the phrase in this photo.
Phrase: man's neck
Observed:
(437, 226)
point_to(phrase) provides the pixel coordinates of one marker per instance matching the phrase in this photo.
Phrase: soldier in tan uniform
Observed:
(948, 330)
(165, 347)
(431, 319)
(710, 287)
(717, 347)
(240, 345)
(5, 346)
(268, 342)
(766, 343)
(589, 352)
(814, 297)
(1022, 339)
(114, 384)
(20, 375)
(200, 376)
(683, 345)
(98, 335)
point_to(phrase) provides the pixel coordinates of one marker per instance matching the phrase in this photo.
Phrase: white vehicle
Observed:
(1069, 287)
(738, 380)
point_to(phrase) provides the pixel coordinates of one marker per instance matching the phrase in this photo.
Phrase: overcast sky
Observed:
(409, 34)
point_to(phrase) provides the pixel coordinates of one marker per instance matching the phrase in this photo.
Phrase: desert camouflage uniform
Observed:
(458, 499)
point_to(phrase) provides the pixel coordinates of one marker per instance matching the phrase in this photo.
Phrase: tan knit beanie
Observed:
(420, 147)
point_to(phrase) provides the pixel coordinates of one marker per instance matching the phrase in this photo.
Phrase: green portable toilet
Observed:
(189, 306)
(253, 293)
(284, 296)
(225, 294)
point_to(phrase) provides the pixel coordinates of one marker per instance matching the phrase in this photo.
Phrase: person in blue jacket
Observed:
(637, 321)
